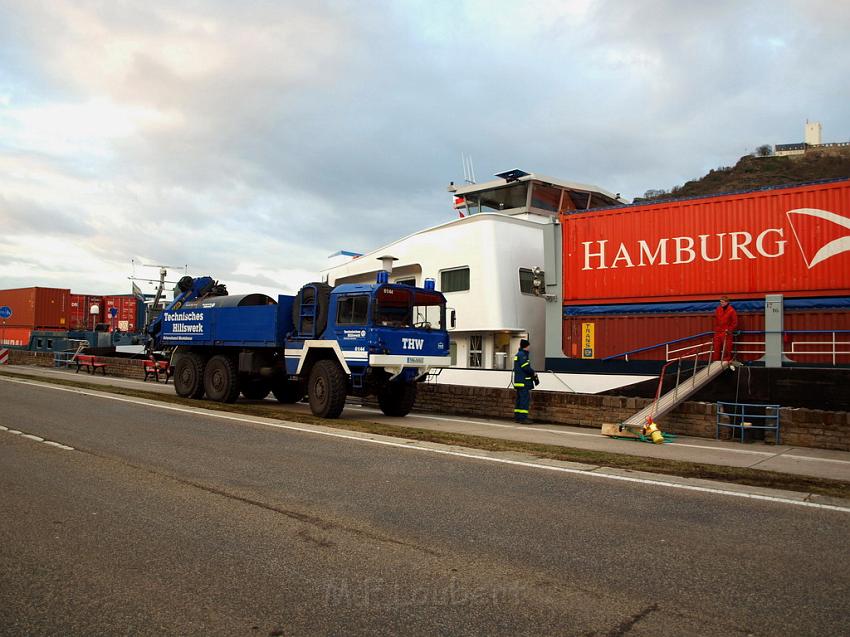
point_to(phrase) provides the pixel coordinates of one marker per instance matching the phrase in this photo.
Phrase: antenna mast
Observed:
(468, 168)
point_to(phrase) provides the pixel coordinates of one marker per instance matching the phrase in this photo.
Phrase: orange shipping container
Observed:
(37, 308)
(80, 316)
(17, 336)
(126, 307)
(77, 312)
(794, 241)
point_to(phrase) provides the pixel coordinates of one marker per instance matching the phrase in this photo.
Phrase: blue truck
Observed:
(324, 342)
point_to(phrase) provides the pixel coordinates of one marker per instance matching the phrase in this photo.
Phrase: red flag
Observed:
(460, 202)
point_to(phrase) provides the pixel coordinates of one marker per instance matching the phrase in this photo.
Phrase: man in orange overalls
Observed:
(725, 323)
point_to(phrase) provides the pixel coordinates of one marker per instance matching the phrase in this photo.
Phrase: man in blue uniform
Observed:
(525, 378)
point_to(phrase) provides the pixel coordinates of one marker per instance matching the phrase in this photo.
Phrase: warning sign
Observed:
(587, 343)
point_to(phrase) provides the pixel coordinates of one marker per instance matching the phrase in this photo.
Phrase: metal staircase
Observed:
(666, 403)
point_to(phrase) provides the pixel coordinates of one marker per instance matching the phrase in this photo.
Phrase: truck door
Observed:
(350, 327)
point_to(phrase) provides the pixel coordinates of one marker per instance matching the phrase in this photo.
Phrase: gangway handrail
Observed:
(696, 357)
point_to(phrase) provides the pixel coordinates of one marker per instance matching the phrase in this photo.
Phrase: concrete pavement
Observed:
(820, 463)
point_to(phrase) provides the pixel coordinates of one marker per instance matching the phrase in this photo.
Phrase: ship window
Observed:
(581, 200)
(454, 280)
(526, 281)
(545, 197)
(353, 310)
(514, 196)
(476, 350)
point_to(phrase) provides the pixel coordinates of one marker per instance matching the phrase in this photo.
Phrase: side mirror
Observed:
(452, 319)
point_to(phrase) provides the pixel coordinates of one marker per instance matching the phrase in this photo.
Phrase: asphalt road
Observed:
(819, 463)
(165, 522)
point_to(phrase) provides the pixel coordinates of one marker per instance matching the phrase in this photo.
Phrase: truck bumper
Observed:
(394, 364)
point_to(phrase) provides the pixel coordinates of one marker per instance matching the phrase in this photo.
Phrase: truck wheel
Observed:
(220, 380)
(255, 388)
(288, 391)
(189, 375)
(396, 399)
(328, 386)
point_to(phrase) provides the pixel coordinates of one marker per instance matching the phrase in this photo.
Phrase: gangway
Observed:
(642, 423)
(66, 358)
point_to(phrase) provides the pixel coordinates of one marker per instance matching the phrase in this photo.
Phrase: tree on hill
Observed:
(761, 171)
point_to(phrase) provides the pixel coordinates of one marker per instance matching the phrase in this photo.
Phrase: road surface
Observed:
(159, 521)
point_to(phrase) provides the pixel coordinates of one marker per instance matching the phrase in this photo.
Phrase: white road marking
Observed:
(59, 445)
(443, 452)
(35, 438)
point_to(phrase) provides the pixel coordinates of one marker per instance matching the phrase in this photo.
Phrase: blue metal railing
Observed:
(746, 416)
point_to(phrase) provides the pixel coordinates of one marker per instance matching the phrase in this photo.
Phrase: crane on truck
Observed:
(324, 342)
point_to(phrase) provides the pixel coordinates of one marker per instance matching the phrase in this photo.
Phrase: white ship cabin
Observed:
(488, 263)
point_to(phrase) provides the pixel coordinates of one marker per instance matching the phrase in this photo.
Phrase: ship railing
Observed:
(670, 352)
(750, 344)
(832, 344)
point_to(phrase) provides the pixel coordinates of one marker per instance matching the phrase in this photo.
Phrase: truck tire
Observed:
(255, 388)
(221, 381)
(396, 399)
(328, 385)
(288, 391)
(189, 375)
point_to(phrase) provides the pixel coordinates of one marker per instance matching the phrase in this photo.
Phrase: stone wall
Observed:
(799, 427)
(122, 367)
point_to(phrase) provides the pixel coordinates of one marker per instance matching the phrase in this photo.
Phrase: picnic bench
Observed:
(155, 368)
(89, 362)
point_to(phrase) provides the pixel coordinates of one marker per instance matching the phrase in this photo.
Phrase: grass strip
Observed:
(735, 475)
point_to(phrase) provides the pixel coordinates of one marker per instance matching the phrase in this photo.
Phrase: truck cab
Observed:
(395, 327)
(384, 337)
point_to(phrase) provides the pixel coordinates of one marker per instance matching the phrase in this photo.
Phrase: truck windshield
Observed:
(429, 311)
(407, 307)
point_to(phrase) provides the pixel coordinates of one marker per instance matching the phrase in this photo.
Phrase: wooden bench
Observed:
(155, 368)
(90, 363)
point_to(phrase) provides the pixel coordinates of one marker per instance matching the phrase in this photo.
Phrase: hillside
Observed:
(756, 172)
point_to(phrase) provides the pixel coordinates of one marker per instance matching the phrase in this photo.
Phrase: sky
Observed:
(250, 140)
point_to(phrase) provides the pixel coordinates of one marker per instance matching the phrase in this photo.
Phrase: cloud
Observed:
(252, 140)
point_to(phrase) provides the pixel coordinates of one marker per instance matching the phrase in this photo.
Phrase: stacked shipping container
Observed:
(80, 314)
(33, 309)
(46, 309)
(647, 274)
(127, 312)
